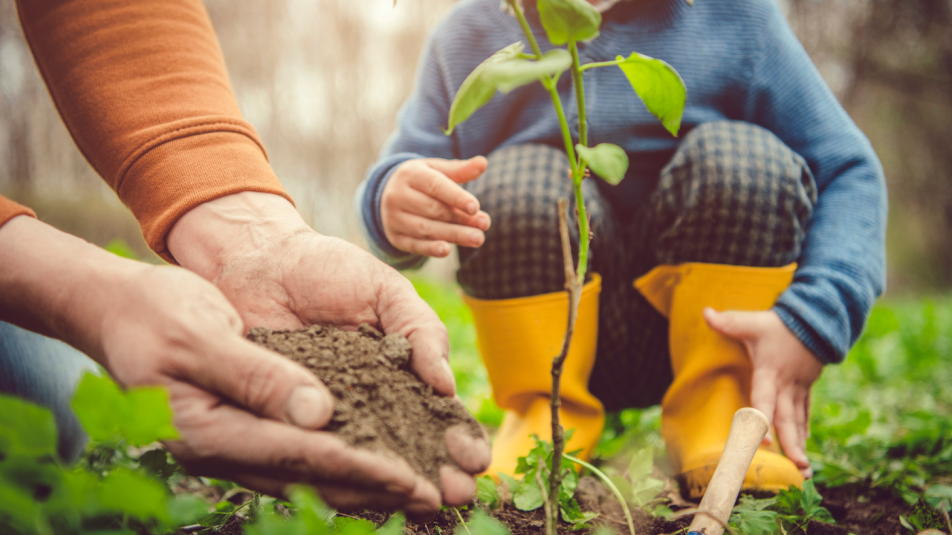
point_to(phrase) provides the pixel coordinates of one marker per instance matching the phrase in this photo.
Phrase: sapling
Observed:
(568, 22)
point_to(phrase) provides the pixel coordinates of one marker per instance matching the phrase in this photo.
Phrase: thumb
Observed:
(733, 324)
(460, 171)
(265, 383)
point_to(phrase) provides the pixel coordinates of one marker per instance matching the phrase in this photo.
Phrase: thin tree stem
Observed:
(574, 293)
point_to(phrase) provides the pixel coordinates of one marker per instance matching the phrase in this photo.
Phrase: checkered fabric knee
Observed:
(732, 194)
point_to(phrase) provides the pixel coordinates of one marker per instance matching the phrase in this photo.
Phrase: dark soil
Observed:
(380, 404)
(872, 512)
(864, 510)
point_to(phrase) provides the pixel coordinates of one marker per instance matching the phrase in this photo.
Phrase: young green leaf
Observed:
(344, 525)
(752, 517)
(25, 428)
(128, 492)
(140, 416)
(606, 160)
(503, 71)
(148, 417)
(528, 497)
(573, 514)
(659, 86)
(482, 524)
(98, 404)
(393, 526)
(569, 20)
(487, 492)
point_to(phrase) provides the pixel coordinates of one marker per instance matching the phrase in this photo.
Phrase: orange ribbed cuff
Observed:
(10, 209)
(172, 178)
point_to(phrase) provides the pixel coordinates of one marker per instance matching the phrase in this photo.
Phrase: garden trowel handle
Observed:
(747, 431)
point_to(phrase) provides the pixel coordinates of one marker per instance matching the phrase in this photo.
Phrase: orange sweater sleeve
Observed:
(143, 90)
(10, 209)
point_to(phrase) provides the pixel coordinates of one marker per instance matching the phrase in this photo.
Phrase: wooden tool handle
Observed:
(747, 431)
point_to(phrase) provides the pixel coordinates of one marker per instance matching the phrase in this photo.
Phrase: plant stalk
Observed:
(574, 289)
(574, 278)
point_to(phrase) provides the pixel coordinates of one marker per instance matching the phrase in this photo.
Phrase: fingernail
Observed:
(472, 208)
(449, 373)
(308, 408)
(476, 238)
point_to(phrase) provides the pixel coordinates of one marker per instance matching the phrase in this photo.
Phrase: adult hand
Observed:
(279, 273)
(423, 208)
(784, 371)
(243, 412)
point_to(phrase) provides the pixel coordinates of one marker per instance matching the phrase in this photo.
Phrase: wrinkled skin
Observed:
(278, 273)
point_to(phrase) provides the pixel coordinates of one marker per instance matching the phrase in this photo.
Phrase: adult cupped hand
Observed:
(243, 412)
(279, 273)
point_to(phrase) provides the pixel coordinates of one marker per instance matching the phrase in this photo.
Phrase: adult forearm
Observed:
(57, 284)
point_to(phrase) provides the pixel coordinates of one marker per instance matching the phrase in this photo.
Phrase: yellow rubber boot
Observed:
(712, 373)
(518, 338)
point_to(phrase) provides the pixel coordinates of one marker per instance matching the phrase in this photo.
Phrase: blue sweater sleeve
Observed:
(418, 135)
(842, 267)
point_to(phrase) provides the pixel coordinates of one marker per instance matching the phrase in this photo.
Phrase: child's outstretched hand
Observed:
(424, 208)
(784, 371)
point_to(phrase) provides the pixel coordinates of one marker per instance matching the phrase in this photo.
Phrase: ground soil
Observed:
(380, 404)
(869, 512)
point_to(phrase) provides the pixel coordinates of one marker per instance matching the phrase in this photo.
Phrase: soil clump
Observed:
(379, 404)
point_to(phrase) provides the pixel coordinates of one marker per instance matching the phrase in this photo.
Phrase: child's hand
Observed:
(784, 371)
(423, 206)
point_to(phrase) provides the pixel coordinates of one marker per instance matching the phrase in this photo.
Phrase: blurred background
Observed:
(321, 81)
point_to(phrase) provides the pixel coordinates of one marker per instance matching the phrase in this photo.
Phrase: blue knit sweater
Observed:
(740, 61)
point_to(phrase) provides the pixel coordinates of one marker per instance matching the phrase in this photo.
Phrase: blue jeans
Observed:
(45, 371)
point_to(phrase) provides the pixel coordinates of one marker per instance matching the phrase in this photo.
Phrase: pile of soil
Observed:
(380, 404)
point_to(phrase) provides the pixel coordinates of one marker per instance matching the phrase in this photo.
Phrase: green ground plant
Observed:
(123, 484)
(568, 22)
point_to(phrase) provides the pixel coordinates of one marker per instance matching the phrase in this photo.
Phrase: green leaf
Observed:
(120, 247)
(809, 498)
(569, 484)
(393, 526)
(503, 71)
(569, 20)
(186, 509)
(659, 86)
(156, 463)
(528, 497)
(98, 403)
(311, 510)
(127, 492)
(25, 428)
(573, 514)
(481, 523)
(751, 516)
(353, 526)
(923, 517)
(641, 464)
(509, 481)
(487, 492)
(140, 416)
(148, 417)
(606, 160)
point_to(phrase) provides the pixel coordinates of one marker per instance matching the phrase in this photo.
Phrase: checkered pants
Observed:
(732, 194)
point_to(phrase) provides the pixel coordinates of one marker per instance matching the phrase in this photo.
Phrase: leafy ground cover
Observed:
(880, 445)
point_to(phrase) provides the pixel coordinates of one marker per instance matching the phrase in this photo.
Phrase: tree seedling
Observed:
(566, 23)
